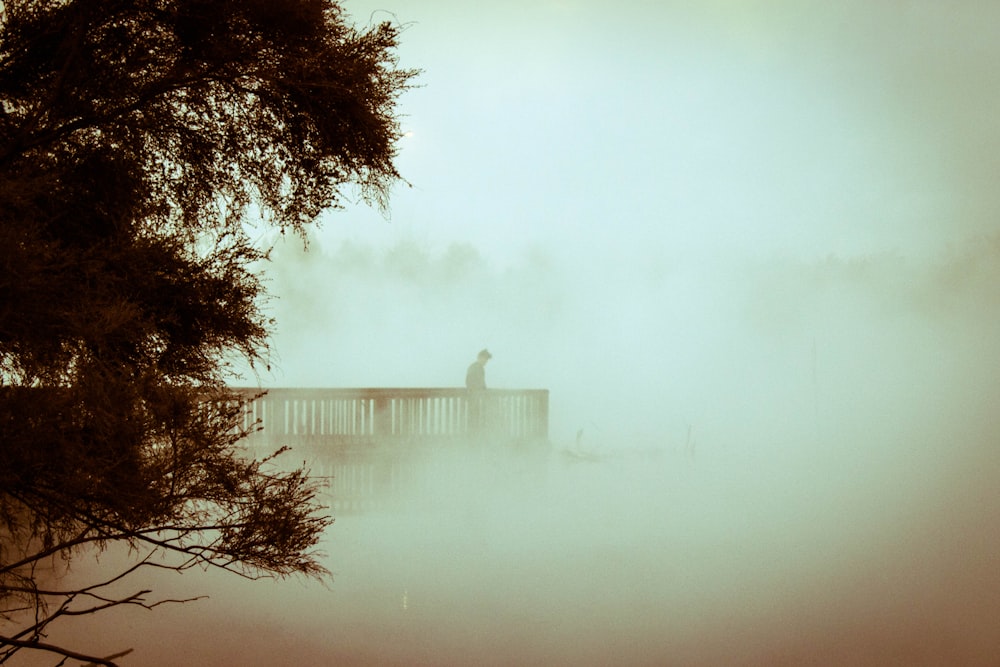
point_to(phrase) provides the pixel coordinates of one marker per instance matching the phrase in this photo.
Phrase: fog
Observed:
(765, 221)
(752, 249)
(804, 354)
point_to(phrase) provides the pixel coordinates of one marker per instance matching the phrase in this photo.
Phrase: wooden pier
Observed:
(365, 417)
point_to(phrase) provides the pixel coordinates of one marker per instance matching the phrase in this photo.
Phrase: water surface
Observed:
(614, 555)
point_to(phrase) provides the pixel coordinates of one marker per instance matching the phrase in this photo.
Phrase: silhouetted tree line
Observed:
(138, 141)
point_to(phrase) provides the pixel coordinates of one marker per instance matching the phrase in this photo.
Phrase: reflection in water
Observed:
(473, 556)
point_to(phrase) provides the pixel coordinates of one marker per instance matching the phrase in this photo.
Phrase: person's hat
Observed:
(484, 353)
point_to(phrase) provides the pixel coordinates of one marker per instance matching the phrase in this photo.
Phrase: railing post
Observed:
(382, 425)
(542, 427)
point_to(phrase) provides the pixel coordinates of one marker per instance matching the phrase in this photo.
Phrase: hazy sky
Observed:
(697, 128)
(710, 214)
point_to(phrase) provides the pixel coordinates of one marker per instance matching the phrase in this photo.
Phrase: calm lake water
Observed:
(630, 556)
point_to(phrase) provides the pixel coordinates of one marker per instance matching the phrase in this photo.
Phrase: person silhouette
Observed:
(475, 376)
(475, 383)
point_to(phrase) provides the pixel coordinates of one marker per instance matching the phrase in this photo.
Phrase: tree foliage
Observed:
(138, 140)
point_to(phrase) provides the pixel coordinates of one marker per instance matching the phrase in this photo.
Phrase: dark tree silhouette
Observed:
(139, 140)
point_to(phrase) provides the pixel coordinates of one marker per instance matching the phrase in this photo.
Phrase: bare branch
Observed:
(66, 653)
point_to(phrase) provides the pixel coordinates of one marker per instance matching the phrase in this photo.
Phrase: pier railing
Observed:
(388, 416)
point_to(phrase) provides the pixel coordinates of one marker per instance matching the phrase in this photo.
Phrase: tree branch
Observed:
(65, 652)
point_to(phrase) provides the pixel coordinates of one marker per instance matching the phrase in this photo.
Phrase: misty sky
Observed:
(763, 127)
(732, 217)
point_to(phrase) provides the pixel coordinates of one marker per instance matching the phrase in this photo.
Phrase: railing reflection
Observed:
(373, 445)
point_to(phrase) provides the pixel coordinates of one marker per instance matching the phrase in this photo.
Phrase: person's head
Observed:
(484, 356)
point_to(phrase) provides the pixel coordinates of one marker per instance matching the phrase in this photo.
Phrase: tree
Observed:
(139, 141)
